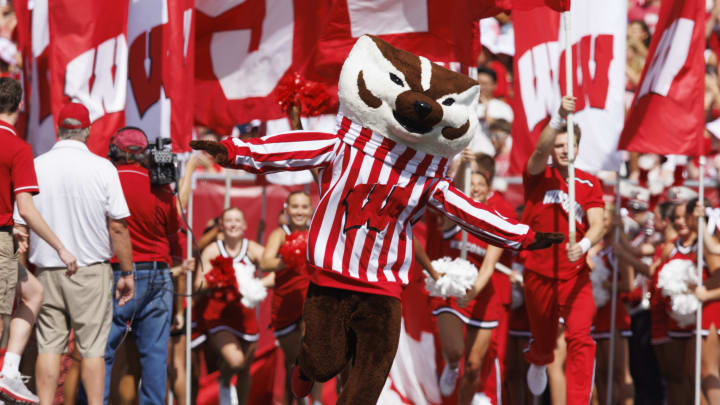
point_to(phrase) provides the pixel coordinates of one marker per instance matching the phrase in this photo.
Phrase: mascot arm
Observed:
(291, 151)
(479, 219)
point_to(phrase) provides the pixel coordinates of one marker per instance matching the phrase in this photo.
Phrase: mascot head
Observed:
(407, 98)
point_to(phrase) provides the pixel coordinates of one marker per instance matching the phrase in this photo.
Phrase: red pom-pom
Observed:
(312, 97)
(221, 278)
(294, 251)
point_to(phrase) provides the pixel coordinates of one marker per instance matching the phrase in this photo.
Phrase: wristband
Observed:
(585, 245)
(126, 273)
(557, 122)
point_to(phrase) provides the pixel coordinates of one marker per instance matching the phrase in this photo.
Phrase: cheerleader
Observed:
(709, 295)
(285, 256)
(675, 352)
(475, 312)
(231, 327)
(601, 260)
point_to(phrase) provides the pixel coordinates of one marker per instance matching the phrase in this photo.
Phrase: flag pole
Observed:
(466, 190)
(570, 129)
(188, 296)
(614, 303)
(700, 265)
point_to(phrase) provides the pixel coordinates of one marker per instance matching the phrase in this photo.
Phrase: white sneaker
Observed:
(537, 379)
(480, 399)
(13, 389)
(448, 379)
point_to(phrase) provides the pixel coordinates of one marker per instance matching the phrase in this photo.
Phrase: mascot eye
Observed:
(396, 79)
(449, 101)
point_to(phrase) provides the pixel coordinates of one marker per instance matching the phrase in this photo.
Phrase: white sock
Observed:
(317, 403)
(11, 365)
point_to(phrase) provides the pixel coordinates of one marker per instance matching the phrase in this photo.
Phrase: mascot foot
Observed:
(216, 149)
(301, 385)
(545, 239)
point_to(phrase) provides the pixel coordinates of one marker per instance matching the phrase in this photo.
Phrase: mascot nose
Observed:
(422, 108)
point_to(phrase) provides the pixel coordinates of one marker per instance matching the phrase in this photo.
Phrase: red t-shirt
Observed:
(153, 221)
(546, 202)
(17, 171)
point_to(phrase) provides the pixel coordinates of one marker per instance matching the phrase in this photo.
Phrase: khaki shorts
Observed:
(8, 273)
(82, 302)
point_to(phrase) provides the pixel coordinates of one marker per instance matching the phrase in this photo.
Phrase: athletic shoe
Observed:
(537, 379)
(448, 379)
(13, 390)
(300, 385)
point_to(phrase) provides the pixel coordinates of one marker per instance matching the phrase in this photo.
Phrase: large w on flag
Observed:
(598, 68)
(666, 116)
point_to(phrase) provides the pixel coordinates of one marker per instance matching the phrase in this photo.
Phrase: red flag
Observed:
(244, 50)
(88, 62)
(557, 5)
(666, 116)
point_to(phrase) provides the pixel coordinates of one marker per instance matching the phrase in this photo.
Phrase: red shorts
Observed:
(602, 319)
(710, 316)
(482, 312)
(217, 316)
(287, 308)
(519, 323)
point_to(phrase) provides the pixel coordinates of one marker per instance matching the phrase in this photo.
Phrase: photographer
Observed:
(153, 226)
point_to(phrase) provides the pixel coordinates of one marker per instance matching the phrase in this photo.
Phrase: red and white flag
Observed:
(88, 62)
(557, 5)
(160, 69)
(78, 51)
(666, 116)
(244, 48)
(598, 48)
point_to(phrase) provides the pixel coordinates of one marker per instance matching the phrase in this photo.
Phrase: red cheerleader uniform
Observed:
(601, 323)
(291, 286)
(710, 312)
(675, 331)
(217, 313)
(480, 312)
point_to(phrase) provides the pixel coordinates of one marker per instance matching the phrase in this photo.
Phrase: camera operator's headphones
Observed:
(127, 140)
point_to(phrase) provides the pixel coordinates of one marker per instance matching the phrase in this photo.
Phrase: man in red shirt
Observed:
(18, 184)
(153, 226)
(557, 281)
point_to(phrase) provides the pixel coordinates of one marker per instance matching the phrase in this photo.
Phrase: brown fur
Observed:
(343, 326)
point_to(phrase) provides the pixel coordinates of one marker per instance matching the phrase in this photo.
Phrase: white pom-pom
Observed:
(251, 288)
(674, 281)
(684, 309)
(458, 276)
(598, 277)
(676, 276)
(518, 296)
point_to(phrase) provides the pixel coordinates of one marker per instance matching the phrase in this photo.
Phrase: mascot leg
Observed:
(376, 325)
(342, 325)
(327, 344)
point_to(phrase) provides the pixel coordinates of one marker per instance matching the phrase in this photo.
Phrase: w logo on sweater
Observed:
(374, 206)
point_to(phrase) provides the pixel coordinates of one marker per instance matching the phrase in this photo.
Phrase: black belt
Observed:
(150, 265)
(6, 228)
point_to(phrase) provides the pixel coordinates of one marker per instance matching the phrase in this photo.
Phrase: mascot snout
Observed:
(417, 112)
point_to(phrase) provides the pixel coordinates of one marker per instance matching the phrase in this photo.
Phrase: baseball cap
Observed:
(77, 112)
(130, 139)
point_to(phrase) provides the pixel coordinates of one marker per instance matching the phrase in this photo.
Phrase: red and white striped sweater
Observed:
(373, 190)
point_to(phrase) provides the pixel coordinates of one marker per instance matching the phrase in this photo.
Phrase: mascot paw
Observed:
(545, 239)
(301, 385)
(216, 149)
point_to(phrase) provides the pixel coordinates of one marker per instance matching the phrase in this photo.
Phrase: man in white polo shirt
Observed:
(82, 200)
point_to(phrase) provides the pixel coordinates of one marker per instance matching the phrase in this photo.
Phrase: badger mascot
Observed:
(401, 119)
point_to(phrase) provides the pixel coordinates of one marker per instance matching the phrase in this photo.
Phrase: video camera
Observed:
(162, 161)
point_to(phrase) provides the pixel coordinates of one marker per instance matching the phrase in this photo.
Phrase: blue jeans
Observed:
(149, 314)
